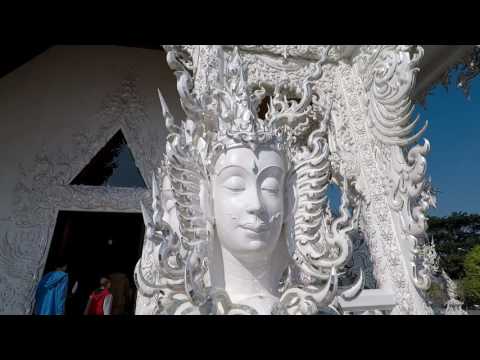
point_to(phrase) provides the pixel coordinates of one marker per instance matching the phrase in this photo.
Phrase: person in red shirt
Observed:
(100, 301)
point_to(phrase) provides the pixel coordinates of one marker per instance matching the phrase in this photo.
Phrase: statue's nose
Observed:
(254, 203)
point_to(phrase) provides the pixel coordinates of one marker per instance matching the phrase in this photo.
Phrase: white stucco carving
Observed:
(360, 101)
(44, 189)
(453, 305)
(347, 111)
(257, 236)
(389, 89)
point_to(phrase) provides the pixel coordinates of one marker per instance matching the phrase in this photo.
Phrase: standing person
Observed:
(74, 305)
(100, 301)
(52, 292)
(122, 293)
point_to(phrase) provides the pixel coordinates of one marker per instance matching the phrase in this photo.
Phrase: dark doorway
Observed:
(95, 244)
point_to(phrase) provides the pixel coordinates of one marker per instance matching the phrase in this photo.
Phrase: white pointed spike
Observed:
(147, 218)
(169, 120)
(235, 51)
(355, 290)
(327, 295)
(155, 189)
(221, 64)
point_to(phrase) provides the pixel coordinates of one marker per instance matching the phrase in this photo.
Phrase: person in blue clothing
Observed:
(52, 292)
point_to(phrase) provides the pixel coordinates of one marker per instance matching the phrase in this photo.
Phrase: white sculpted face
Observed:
(248, 200)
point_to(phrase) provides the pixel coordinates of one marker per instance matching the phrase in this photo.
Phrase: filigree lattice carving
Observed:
(388, 74)
(310, 52)
(376, 219)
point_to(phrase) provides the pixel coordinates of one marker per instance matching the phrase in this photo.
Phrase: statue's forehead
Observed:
(249, 159)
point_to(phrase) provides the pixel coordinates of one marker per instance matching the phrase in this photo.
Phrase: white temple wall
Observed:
(65, 91)
(46, 101)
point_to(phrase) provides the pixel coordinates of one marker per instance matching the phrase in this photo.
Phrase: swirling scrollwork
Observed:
(390, 87)
(390, 109)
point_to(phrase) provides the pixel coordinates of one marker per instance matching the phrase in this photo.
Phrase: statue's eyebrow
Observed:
(277, 169)
(232, 167)
(274, 167)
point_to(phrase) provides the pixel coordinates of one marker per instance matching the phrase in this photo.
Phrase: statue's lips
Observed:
(257, 228)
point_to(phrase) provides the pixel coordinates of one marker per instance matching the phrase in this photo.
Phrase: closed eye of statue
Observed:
(270, 185)
(235, 183)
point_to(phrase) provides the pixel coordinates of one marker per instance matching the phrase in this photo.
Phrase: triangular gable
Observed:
(113, 165)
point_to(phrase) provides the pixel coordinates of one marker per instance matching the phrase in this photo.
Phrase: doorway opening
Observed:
(96, 244)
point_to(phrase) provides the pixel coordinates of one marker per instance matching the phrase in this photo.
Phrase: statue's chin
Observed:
(248, 242)
(257, 244)
(252, 248)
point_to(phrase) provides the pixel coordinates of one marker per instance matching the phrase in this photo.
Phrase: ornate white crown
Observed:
(227, 112)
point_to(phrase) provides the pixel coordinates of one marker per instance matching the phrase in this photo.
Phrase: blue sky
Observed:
(453, 162)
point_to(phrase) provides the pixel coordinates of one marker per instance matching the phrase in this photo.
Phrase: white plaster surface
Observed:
(44, 104)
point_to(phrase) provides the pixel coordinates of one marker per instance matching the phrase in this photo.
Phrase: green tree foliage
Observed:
(471, 282)
(437, 294)
(455, 236)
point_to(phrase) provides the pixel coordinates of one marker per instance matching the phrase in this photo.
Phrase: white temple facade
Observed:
(62, 107)
(57, 112)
